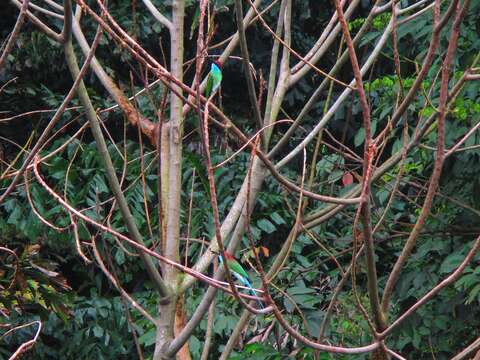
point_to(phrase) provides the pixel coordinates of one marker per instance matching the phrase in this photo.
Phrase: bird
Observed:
(239, 272)
(214, 78)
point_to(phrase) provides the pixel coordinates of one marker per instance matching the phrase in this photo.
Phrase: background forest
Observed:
(356, 202)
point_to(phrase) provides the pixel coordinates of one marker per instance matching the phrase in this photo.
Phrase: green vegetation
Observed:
(83, 315)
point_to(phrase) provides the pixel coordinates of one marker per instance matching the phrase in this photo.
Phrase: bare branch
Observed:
(446, 282)
(15, 32)
(115, 283)
(28, 344)
(58, 114)
(40, 24)
(111, 176)
(246, 61)
(213, 282)
(133, 116)
(46, 12)
(343, 96)
(468, 351)
(158, 15)
(440, 156)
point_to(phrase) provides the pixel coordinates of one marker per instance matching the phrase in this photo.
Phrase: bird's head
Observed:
(218, 63)
(228, 256)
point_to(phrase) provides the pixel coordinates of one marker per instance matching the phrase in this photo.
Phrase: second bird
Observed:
(214, 78)
(239, 272)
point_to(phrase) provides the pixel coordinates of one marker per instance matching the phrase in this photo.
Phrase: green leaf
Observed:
(195, 345)
(299, 290)
(473, 294)
(335, 175)
(98, 331)
(359, 137)
(277, 218)
(120, 257)
(148, 338)
(451, 263)
(266, 226)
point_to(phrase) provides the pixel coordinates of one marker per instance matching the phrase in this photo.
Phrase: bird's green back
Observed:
(235, 266)
(214, 80)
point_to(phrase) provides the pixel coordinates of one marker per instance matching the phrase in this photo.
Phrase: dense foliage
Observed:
(82, 313)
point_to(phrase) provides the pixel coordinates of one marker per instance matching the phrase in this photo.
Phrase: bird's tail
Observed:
(252, 291)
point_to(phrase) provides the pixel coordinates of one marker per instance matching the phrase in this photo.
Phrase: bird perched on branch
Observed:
(239, 272)
(214, 78)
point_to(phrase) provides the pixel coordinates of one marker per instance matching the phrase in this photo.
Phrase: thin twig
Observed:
(41, 140)
(124, 238)
(117, 285)
(446, 282)
(28, 344)
(300, 57)
(440, 156)
(40, 24)
(15, 32)
(246, 61)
